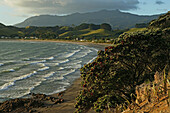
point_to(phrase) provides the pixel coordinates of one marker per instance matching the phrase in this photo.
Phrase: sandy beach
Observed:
(68, 96)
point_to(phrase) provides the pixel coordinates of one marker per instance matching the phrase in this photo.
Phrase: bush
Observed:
(106, 26)
(113, 75)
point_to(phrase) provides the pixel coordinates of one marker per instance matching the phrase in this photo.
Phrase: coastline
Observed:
(69, 94)
(60, 41)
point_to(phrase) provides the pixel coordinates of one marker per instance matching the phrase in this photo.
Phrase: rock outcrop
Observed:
(26, 105)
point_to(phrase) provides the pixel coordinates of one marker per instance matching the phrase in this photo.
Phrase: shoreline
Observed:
(69, 94)
(59, 41)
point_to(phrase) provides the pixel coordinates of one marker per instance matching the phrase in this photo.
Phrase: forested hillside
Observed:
(110, 80)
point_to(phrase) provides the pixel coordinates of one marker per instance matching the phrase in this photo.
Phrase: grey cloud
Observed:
(69, 6)
(159, 2)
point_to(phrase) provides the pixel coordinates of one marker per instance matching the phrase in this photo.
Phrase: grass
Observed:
(72, 33)
(8, 31)
(135, 29)
(98, 32)
(87, 32)
(155, 94)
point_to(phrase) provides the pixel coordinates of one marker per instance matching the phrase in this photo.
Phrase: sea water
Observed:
(40, 67)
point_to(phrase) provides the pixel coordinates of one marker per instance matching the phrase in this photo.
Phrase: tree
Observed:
(106, 26)
(113, 75)
(82, 26)
(94, 27)
(141, 25)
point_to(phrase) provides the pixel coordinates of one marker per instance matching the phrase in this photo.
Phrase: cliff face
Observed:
(152, 97)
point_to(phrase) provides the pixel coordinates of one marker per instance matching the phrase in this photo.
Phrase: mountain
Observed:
(116, 18)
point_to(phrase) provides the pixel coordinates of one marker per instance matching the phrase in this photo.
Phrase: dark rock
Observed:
(14, 104)
(39, 96)
(59, 101)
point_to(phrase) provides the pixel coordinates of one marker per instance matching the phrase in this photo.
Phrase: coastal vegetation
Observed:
(82, 32)
(135, 56)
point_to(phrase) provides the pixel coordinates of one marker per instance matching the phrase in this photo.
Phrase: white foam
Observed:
(56, 64)
(24, 76)
(75, 62)
(44, 68)
(83, 54)
(27, 92)
(8, 70)
(37, 84)
(75, 66)
(9, 52)
(49, 75)
(94, 49)
(78, 62)
(59, 78)
(50, 58)
(61, 68)
(91, 60)
(57, 91)
(71, 54)
(42, 64)
(11, 70)
(6, 85)
(64, 61)
(71, 71)
(37, 62)
(12, 82)
(26, 59)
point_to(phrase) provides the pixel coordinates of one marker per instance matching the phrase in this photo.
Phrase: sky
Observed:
(16, 11)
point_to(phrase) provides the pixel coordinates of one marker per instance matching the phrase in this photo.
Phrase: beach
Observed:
(67, 97)
(91, 44)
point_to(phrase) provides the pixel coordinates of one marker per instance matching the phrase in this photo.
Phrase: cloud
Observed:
(159, 2)
(68, 6)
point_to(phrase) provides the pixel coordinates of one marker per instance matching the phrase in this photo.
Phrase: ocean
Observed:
(40, 67)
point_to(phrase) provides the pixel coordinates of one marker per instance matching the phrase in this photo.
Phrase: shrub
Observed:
(106, 26)
(113, 75)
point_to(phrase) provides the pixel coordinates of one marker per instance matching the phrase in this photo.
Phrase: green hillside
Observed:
(2, 25)
(7, 30)
(87, 32)
(77, 33)
(109, 81)
(98, 32)
(135, 30)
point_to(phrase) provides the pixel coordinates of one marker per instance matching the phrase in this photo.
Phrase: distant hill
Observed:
(2, 25)
(8, 30)
(116, 18)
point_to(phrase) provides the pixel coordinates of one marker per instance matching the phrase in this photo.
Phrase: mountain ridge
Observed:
(116, 18)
